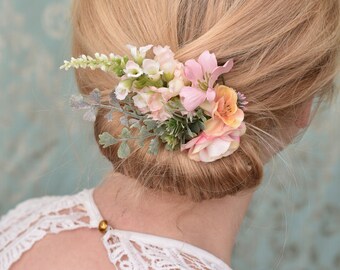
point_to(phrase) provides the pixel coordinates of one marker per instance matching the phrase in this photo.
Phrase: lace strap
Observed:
(33, 219)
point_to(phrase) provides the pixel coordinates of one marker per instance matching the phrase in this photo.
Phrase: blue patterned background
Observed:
(294, 222)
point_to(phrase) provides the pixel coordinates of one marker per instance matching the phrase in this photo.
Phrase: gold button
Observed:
(102, 227)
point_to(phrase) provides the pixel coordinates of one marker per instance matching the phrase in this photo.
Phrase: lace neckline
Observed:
(96, 217)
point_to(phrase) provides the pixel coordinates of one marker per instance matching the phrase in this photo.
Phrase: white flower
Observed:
(151, 68)
(175, 86)
(163, 55)
(101, 57)
(169, 67)
(139, 54)
(173, 90)
(103, 61)
(75, 62)
(132, 69)
(123, 89)
(140, 101)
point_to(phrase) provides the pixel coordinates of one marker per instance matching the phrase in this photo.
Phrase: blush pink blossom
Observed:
(163, 55)
(150, 100)
(216, 142)
(202, 74)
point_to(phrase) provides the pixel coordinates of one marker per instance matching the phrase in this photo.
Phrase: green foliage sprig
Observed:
(173, 132)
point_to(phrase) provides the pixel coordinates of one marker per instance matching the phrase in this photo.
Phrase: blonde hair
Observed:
(284, 52)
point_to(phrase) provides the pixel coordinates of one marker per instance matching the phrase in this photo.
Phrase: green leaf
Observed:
(168, 77)
(125, 59)
(171, 142)
(154, 146)
(127, 108)
(143, 132)
(200, 115)
(196, 127)
(202, 126)
(150, 124)
(119, 71)
(124, 121)
(134, 123)
(141, 82)
(190, 133)
(124, 150)
(125, 134)
(106, 139)
(140, 142)
(157, 84)
(160, 130)
(144, 81)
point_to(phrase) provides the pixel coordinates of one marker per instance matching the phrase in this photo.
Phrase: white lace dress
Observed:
(33, 219)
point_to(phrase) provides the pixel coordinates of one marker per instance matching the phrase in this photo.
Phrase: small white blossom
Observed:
(123, 89)
(133, 70)
(151, 68)
(175, 86)
(140, 101)
(139, 54)
(103, 57)
(169, 67)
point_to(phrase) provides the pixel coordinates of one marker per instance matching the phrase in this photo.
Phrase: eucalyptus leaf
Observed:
(140, 141)
(154, 146)
(124, 150)
(160, 130)
(90, 115)
(106, 139)
(150, 124)
(109, 115)
(125, 134)
(77, 102)
(128, 108)
(134, 123)
(143, 132)
(94, 96)
(114, 101)
(124, 121)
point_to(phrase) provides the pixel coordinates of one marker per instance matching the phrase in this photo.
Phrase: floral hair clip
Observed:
(178, 105)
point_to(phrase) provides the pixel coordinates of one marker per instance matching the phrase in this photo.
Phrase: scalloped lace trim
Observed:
(31, 220)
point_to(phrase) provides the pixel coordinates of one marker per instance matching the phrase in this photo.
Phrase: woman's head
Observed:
(284, 53)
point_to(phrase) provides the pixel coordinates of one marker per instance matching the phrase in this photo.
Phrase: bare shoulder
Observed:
(76, 249)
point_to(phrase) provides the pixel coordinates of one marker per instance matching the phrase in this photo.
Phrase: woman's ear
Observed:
(303, 119)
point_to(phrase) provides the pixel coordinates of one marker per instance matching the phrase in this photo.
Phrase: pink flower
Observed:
(215, 142)
(202, 75)
(150, 100)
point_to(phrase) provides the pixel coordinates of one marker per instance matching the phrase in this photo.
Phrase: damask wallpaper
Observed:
(294, 221)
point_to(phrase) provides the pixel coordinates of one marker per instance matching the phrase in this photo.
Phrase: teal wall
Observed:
(294, 222)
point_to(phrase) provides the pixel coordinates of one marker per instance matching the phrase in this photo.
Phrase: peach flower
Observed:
(226, 108)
